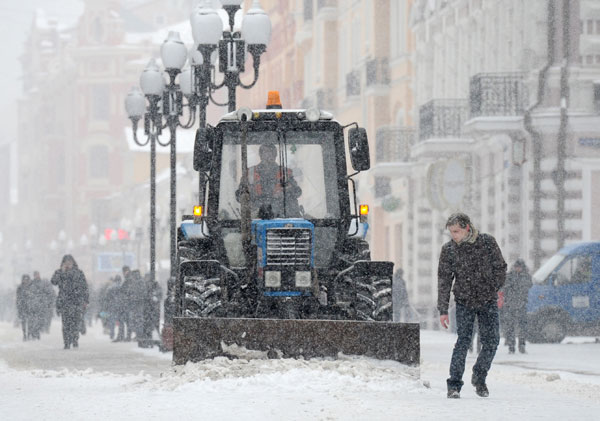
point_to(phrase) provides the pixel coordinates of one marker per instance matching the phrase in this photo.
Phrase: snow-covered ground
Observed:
(103, 380)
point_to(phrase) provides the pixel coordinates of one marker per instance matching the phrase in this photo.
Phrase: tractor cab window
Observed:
(574, 271)
(291, 174)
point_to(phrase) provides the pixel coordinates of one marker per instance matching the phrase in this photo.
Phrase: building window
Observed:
(398, 28)
(100, 102)
(99, 161)
(98, 30)
(308, 10)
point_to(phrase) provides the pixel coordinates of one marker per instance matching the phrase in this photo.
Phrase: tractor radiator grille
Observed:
(288, 246)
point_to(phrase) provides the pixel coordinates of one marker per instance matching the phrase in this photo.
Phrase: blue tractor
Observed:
(277, 264)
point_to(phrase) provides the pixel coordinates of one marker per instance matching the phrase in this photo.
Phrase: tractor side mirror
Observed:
(203, 148)
(359, 149)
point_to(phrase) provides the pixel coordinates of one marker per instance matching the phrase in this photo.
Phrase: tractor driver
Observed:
(267, 184)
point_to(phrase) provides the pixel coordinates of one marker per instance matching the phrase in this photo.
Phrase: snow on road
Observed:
(102, 380)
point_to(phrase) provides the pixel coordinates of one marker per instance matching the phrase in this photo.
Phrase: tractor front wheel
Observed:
(374, 298)
(202, 296)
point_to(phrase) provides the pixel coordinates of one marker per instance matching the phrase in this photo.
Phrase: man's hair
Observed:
(459, 218)
(126, 269)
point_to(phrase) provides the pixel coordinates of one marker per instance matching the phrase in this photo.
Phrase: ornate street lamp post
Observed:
(197, 84)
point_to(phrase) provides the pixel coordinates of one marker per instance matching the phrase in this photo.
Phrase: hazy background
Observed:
(17, 17)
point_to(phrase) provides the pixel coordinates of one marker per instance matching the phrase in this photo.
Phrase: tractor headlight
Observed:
(272, 279)
(303, 279)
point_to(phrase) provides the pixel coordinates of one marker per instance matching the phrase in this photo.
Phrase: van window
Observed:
(541, 275)
(575, 271)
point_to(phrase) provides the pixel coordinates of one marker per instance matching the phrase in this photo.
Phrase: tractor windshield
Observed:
(291, 174)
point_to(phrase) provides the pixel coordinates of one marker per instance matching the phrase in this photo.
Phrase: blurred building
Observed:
(77, 162)
(508, 127)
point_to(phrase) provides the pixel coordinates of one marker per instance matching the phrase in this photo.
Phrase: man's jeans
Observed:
(487, 317)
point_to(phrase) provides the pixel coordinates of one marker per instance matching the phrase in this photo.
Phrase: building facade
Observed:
(76, 168)
(508, 127)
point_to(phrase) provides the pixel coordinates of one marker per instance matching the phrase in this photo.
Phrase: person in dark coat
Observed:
(37, 304)
(48, 302)
(24, 305)
(152, 302)
(73, 297)
(472, 267)
(267, 183)
(516, 289)
(403, 312)
(137, 300)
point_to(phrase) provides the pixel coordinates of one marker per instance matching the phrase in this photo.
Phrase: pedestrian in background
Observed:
(472, 267)
(152, 303)
(116, 308)
(23, 305)
(48, 301)
(516, 290)
(72, 300)
(37, 304)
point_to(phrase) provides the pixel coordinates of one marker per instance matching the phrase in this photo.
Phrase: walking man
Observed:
(472, 267)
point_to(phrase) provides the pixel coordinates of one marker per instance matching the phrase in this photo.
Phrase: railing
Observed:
(353, 83)
(324, 99)
(392, 144)
(497, 94)
(378, 71)
(383, 187)
(441, 118)
(308, 10)
(326, 3)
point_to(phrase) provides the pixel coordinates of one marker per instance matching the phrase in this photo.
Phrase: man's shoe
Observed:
(453, 394)
(522, 349)
(482, 390)
(511, 349)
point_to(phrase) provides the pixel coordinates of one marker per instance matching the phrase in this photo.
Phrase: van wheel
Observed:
(547, 327)
(554, 329)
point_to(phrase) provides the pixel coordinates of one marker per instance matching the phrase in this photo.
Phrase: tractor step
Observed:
(196, 339)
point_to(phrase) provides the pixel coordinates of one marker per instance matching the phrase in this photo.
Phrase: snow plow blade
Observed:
(197, 339)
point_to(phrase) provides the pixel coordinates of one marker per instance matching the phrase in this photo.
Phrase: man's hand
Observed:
(444, 321)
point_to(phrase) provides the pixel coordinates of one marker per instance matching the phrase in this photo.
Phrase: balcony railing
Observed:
(383, 186)
(441, 118)
(308, 10)
(497, 94)
(353, 83)
(378, 71)
(326, 3)
(392, 144)
(325, 99)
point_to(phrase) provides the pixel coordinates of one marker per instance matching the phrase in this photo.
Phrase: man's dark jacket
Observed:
(477, 269)
(72, 288)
